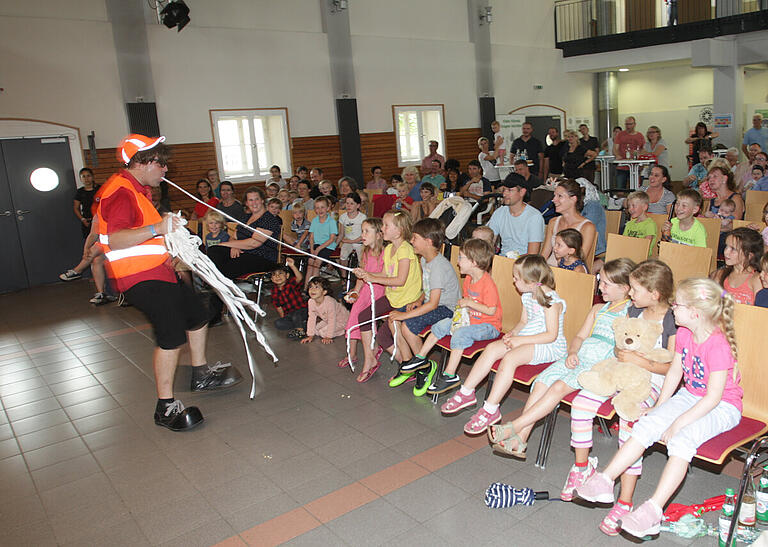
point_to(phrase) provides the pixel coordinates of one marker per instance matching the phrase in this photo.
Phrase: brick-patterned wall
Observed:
(189, 162)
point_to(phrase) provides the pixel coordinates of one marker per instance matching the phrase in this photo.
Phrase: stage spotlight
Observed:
(175, 14)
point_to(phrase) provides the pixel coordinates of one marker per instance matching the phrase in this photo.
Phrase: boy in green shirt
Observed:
(640, 224)
(684, 228)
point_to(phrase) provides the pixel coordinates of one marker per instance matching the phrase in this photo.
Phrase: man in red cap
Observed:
(131, 234)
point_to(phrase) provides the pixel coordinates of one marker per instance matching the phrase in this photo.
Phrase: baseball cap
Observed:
(514, 180)
(135, 143)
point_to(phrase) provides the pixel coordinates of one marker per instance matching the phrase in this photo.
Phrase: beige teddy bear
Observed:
(632, 382)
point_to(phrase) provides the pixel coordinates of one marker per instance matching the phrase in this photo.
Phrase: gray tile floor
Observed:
(82, 463)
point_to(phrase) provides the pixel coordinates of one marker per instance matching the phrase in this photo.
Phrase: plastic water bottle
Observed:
(628, 153)
(724, 522)
(761, 496)
(746, 526)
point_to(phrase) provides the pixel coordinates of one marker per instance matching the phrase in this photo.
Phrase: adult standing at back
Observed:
(553, 155)
(531, 145)
(519, 226)
(700, 138)
(426, 163)
(83, 202)
(590, 143)
(487, 161)
(757, 134)
(569, 201)
(626, 144)
(576, 156)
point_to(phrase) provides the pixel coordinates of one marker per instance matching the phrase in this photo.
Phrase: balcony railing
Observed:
(577, 20)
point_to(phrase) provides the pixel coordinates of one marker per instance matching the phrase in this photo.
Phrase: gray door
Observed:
(43, 232)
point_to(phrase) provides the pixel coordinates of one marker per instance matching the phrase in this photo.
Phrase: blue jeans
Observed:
(622, 178)
(464, 337)
(418, 324)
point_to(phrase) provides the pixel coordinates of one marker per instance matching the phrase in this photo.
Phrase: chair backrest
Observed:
(511, 305)
(747, 224)
(712, 226)
(232, 229)
(612, 222)
(754, 210)
(287, 216)
(455, 259)
(635, 248)
(311, 214)
(590, 258)
(577, 289)
(749, 322)
(192, 225)
(756, 196)
(685, 261)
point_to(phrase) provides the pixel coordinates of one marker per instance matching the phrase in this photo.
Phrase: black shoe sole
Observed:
(193, 426)
(445, 390)
(217, 388)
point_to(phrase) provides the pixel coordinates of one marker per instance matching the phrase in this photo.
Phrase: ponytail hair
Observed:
(715, 305)
(534, 269)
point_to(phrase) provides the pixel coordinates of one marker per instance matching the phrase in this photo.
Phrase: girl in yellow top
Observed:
(401, 277)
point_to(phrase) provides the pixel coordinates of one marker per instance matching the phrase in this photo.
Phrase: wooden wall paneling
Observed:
(321, 151)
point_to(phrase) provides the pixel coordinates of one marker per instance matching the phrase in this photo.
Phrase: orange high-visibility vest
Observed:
(139, 258)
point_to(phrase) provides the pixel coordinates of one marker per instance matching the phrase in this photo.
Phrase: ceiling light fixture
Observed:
(339, 5)
(485, 15)
(623, 70)
(175, 14)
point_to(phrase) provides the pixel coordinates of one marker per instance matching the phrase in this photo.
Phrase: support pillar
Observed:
(480, 35)
(728, 94)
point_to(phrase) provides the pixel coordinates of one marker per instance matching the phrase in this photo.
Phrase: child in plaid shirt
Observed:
(286, 297)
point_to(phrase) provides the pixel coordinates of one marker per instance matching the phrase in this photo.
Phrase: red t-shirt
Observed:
(486, 293)
(120, 213)
(634, 141)
(201, 209)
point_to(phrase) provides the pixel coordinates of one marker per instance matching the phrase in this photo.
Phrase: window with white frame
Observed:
(415, 126)
(249, 142)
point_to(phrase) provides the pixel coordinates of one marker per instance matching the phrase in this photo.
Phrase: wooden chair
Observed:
(754, 211)
(589, 260)
(758, 197)
(659, 219)
(193, 226)
(287, 216)
(747, 224)
(612, 222)
(685, 261)
(634, 248)
(712, 226)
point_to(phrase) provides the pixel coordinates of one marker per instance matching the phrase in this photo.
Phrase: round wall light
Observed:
(44, 179)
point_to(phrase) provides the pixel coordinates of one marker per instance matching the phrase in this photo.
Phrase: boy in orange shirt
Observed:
(482, 303)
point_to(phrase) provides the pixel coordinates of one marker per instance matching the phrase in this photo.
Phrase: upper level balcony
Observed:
(596, 26)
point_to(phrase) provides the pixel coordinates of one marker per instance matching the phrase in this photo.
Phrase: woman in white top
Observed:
(568, 200)
(485, 157)
(661, 199)
(657, 146)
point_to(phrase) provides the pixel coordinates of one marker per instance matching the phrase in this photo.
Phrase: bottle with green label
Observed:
(761, 496)
(724, 522)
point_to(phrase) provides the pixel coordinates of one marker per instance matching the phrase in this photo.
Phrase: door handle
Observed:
(5, 214)
(20, 212)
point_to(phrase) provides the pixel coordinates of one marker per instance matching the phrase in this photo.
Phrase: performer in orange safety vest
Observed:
(131, 235)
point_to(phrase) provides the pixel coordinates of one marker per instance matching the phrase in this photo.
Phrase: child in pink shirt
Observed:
(327, 317)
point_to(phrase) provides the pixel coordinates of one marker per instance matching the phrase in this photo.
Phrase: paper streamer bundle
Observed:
(186, 247)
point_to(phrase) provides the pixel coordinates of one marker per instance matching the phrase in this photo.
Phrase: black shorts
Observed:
(325, 252)
(172, 309)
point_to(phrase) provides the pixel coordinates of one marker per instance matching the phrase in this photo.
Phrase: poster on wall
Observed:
(700, 113)
(723, 121)
(511, 126)
(751, 110)
(575, 121)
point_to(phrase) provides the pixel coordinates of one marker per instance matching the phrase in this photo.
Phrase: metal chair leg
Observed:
(759, 446)
(546, 436)
(440, 368)
(489, 385)
(604, 426)
(259, 283)
(548, 444)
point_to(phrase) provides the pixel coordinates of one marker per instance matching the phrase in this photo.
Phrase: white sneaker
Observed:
(70, 275)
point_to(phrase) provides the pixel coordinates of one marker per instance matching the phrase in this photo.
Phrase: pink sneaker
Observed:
(481, 420)
(576, 477)
(643, 521)
(458, 402)
(610, 525)
(598, 489)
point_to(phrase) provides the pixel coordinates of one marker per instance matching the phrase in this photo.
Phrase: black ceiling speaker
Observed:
(175, 14)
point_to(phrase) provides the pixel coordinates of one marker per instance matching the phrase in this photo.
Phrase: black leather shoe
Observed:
(213, 377)
(178, 418)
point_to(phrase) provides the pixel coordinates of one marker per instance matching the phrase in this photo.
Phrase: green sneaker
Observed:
(400, 379)
(424, 379)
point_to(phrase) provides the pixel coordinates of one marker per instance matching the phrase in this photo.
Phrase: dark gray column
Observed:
(480, 35)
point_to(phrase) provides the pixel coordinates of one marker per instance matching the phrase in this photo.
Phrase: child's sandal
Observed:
(344, 363)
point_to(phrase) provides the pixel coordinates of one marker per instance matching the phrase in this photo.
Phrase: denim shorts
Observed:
(418, 324)
(464, 337)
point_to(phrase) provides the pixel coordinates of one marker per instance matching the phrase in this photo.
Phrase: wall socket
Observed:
(538, 86)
